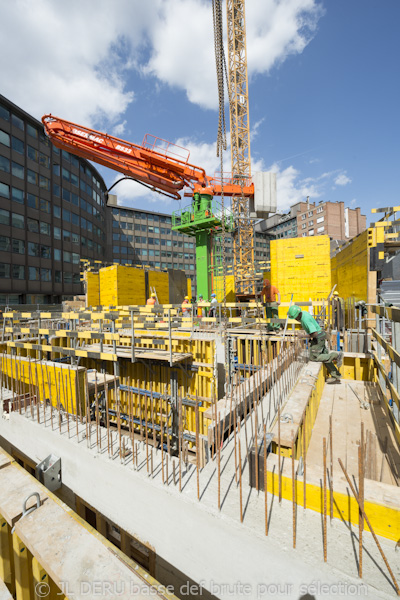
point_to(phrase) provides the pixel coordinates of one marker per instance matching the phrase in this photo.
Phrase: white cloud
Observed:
(291, 188)
(72, 58)
(342, 179)
(184, 56)
(353, 202)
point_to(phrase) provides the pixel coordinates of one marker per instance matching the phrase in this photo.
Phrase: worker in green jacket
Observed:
(318, 350)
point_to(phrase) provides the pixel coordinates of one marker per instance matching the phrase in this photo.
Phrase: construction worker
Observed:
(318, 350)
(200, 308)
(152, 300)
(186, 310)
(337, 311)
(214, 304)
(269, 295)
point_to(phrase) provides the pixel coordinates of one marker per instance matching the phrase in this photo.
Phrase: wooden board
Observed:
(70, 553)
(340, 401)
(142, 353)
(15, 485)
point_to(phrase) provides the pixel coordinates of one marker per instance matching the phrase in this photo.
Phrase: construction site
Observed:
(177, 441)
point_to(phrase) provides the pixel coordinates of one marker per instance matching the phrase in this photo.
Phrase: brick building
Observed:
(325, 218)
(330, 218)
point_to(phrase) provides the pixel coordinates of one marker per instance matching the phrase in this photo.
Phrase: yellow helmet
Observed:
(154, 295)
(186, 297)
(335, 293)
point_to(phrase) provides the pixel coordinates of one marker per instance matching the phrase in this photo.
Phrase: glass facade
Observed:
(52, 213)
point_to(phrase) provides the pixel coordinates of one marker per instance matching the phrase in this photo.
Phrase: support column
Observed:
(203, 264)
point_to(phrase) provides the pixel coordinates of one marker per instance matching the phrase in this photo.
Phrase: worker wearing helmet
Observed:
(214, 304)
(186, 310)
(152, 300)
(337, 311)
(271, 298)
(318, 350)
(200, 305)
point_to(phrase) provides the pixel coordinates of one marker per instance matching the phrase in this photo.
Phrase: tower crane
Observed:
(243, 241)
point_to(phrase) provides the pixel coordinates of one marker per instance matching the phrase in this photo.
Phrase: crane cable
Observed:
(221, 145)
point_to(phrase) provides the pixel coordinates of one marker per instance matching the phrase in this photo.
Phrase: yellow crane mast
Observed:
(243, 242)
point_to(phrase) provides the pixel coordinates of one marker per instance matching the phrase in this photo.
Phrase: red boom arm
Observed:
(157, 163)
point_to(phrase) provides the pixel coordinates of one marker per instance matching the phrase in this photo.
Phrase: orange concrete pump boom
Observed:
(157, 163)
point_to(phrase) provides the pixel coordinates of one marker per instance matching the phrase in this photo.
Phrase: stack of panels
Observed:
(160, 282)
(351, 265)
(122, 286)
(92, 288)
(229, 288)
(302, 267)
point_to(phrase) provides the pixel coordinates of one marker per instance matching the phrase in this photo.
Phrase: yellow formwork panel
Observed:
(302, 267)
(153, 408)
(92, 288)
(159, 281)
(350, 269)
(229, 288)
(122, 286)
(49, 381)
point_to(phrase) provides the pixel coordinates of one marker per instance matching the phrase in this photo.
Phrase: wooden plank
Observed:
(84, 557)
(15, 485)
(4, 593)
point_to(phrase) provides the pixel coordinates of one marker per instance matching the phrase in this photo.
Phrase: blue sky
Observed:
(323, 87)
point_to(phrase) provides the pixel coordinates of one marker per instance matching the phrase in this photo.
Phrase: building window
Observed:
(310, 223)
(18, 272)
(4, 113)
(45, 251)
(32, 201)
(17, 221)
(17, 122)
(44, 183)
(4, 138)
(320, 219)
(5, 243)
(17, 195)
(17, 170)
(44, 228)
(320, 229)
(33, 249)
(57, 254)
(320, 209)
(18, 246)
(303, 217)
(303, 226)
(32, 131)
(4, 164)
(33, 274)
(311, 232)
(45, 274)
(4, 190)
(310, 214)
(4, 271)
